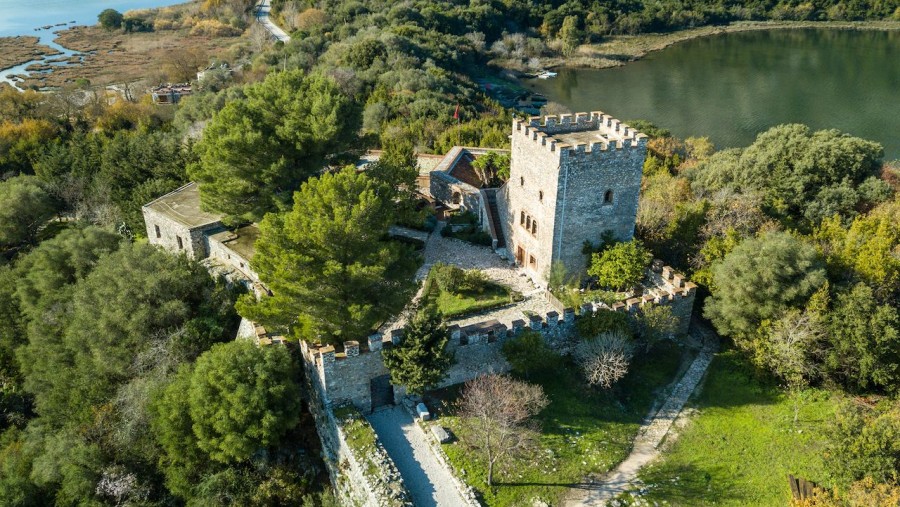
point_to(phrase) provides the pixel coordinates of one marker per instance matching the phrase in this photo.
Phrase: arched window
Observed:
(522, 219)
(457, 198)
(608, 197)
(521, 181)
(541, 195)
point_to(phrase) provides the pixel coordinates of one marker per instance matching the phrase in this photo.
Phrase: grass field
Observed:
(739, 447)
(455, 305)
(584, 431)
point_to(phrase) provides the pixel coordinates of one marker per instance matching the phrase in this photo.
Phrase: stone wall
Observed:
(347, 377)
(454, 193)
(361, 477)
(220, 251)
(573, 192)
(586, 178)
(192, 241)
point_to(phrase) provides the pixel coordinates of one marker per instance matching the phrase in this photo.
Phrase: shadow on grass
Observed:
(690, 485)
(733, 382)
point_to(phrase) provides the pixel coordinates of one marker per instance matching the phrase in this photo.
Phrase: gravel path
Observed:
(429, 483)
(650, 434)
(469, 256)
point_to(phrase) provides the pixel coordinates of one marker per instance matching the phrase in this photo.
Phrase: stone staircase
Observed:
(494, 216)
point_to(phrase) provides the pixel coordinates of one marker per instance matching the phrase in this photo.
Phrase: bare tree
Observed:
(791, 352)
(605, 359)
(260, 38)
(498, 410)
(289, 12)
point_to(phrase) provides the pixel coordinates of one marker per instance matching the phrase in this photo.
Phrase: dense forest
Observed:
(117, 364)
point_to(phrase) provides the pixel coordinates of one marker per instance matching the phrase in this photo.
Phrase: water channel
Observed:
(42, 18)
(731, 87)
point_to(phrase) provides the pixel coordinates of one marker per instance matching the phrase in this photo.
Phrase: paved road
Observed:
(429, 483)
(262, 15)
(651, 433)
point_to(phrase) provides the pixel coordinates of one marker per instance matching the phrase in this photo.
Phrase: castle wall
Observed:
(477, 348)
(192, 241)
(532, 189)
(581, 211)
(574, 186)
(361, 477)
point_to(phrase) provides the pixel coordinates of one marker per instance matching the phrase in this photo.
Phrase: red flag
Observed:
(456, 113)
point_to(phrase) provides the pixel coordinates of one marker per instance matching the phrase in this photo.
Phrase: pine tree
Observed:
(421, 360)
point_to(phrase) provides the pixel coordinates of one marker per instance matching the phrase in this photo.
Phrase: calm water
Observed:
(21, 17)
(731, 87)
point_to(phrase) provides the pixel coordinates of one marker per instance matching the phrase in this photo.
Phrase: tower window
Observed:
(521, 181)
(608, 197)
(541, 195)
(158, 234)
(528, 223)
(522, 219)
(180, 243)
(533, 227)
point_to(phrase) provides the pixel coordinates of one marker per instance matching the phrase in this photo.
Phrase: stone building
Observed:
(572, 178)
(176, 222)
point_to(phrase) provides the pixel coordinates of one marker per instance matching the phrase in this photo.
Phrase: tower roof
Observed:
(580, 131)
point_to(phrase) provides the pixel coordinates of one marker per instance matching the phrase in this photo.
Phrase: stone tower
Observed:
(572, 178)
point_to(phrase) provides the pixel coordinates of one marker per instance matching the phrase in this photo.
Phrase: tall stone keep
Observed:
(572, 178)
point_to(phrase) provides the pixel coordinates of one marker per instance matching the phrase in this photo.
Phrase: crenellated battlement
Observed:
(579, 133)
(477, 348)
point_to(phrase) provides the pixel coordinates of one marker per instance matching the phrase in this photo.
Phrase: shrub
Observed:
(110, 19)
(600, 322)
(605, 359)
(529, 353)
(448, 278)
(621, 266)
(213, 28)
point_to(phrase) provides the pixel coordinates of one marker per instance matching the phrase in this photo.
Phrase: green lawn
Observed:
(740, 446)
(584, 431)
(453, 305)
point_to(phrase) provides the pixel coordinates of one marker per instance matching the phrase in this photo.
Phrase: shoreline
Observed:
(21, 49)
(622, 49)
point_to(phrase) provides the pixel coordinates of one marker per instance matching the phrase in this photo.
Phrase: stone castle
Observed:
(573, 178)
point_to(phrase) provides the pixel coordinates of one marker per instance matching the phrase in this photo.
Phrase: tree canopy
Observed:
(761, 278)
(802, 176)
(421, 360)
(257, 151)
(621, 265)
(24, 208)
(329, 263)
(239, 398)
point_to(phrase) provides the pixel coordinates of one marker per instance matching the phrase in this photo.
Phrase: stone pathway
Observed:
(651, 432)
(469, 256)
(429, 483)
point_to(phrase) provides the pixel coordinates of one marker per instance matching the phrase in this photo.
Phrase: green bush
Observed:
(621, 266)
(602, 321)
(448, 278)
(529, 353)
(110, 19)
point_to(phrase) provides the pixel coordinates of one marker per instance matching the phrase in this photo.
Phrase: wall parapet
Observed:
(615, 135)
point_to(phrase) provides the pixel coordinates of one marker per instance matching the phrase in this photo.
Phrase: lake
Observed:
(18, 17)
(21, 17)
(731, 87)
